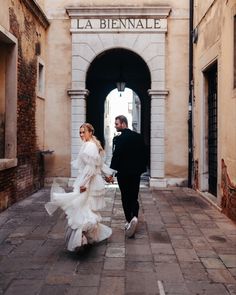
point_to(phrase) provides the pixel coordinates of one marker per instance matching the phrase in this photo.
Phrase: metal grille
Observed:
(212, 129)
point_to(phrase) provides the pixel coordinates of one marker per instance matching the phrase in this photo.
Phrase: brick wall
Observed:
(19, 182)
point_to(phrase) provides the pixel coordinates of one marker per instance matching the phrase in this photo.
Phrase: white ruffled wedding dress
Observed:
(84, 222)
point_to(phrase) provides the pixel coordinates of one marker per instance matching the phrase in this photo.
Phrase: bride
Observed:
(81, 205)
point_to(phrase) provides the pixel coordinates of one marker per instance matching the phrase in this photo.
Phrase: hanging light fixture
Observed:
(120, 86)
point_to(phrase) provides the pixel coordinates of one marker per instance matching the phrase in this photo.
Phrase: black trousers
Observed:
(129, 187)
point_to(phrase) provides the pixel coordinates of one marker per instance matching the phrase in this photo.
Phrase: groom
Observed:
(129, 160)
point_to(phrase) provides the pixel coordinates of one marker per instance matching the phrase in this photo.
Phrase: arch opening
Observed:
(105, 71)
(116, 103)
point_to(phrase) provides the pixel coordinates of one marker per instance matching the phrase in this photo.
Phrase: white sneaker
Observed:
(130, 231)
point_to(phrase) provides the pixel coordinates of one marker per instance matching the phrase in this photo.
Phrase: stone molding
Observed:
(7, 37)
(167, 182)
(157, 168)
(7, 163)
(11, 42)
(158, 93)
(34, 7)
(117, 11)
(151, 50)
(78, 111)
(78, 93)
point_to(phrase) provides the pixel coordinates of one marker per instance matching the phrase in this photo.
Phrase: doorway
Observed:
(125, 102)
(105, 71)
(211, 78)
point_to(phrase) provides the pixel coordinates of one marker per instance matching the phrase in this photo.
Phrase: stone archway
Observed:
(103, 73)
(137, 33)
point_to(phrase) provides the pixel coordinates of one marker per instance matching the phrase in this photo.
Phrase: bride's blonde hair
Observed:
(89, 128)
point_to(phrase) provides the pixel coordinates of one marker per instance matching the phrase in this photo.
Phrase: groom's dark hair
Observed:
(122, 119)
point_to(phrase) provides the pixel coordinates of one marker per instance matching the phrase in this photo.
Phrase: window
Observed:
(8, 99)
(41, 78)
(40, 104)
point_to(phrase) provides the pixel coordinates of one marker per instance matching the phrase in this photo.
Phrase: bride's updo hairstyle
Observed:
(90, 129)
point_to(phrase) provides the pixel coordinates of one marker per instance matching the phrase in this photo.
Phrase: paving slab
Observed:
(183, 246)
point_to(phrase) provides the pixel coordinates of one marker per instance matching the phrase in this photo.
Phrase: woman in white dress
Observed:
(81, 205)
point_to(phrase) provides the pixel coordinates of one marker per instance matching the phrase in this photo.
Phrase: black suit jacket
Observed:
(129, 154)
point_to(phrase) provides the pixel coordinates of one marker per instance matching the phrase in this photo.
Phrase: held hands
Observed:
(82, 189)
(109, 179)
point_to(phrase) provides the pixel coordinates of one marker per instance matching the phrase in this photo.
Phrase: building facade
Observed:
(22, 45)
(91, 45)
(59, 61)
(214, 101)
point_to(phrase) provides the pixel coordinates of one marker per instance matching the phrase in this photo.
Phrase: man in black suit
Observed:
(129, 160)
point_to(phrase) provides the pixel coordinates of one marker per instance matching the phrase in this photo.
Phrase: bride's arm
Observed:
(106, 170)
(89, 157)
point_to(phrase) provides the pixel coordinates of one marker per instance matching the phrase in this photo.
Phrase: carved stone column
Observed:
(157, 169)
(78, 117)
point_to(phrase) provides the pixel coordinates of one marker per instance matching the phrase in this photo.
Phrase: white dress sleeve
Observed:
(75, 163)
(90, 157)
(106, 170)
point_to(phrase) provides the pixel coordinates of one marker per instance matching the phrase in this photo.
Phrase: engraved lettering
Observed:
(88, 25)
(102, 23)
(139, 25)
(131, 23)
(157, 24)
(123, 23)
(147, 26)
(78, 24)
(115, 24)
(120, 24)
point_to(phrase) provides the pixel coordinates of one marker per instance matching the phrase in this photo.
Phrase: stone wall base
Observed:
(153, 182)
(167, 182)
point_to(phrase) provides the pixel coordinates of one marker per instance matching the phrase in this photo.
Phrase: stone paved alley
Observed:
(183, 245)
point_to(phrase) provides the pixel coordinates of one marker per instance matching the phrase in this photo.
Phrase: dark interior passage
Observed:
(104, 72)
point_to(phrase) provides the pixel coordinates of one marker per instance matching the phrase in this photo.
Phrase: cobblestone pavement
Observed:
(183, 246)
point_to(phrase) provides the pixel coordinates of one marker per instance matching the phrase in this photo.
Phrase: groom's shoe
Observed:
(130, 231)
(126, 225)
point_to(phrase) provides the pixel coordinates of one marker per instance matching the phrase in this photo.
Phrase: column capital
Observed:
(158, 93)
(78, 93)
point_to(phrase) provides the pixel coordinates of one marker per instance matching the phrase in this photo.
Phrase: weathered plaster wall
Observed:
(177, 101)
(18, 182)
(215, 42)
(227, 92)
(4, 15)
(57, 104)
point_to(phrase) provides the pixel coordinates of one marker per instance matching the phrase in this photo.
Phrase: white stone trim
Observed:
(78, 111)
(150, 47)
(155, 182)
(10, 99)
(101, 11)
(166, 182)
(157, 169)
(7, 163)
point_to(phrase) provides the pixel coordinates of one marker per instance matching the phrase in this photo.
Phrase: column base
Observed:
(167, 182)
(71, 181)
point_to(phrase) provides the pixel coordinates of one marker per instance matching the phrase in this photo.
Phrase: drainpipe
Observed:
(190, 102)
